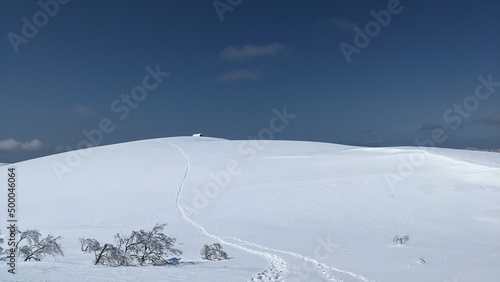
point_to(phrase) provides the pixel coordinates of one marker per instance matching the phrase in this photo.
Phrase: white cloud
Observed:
(8, 144)
(241, 74)
(82, 110)
(251, 51)
(11, 145)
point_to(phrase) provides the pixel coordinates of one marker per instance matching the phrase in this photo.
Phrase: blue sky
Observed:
(413, 77)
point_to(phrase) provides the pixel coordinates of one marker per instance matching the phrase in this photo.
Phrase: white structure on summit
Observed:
(197, 135)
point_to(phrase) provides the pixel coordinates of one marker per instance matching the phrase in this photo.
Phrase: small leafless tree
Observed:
(89, 245)
(139, 248)
(400, 240)
(147, 247)
(111, 255)
(106, 255)
(213, 252)
(32, 246)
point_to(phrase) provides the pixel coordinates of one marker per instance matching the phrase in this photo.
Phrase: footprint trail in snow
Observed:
(278, 266)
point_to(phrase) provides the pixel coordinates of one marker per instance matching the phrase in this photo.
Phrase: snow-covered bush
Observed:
(147, 247)
(213, 252)
(138, 248)
(106, 255)
(32, 246)
(400, 240)
(89, 245)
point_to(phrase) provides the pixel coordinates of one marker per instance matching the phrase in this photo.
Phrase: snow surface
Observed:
(287, 211)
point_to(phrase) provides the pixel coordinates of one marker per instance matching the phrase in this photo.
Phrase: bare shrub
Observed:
(400, 240)
(138, 248)
(213, 252)
(32, 246)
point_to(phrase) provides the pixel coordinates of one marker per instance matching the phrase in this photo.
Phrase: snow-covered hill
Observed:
(282, 210)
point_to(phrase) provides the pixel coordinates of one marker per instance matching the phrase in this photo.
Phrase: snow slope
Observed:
(282, 210)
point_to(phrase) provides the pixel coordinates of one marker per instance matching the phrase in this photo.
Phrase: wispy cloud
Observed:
(338, 23)
(429, 127)
(59, 148)
(494, 119)
(251, 51)
(12, 145)
(241, 74)
(82, 110)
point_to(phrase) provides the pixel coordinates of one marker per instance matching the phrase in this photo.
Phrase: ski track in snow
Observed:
(278, 266)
